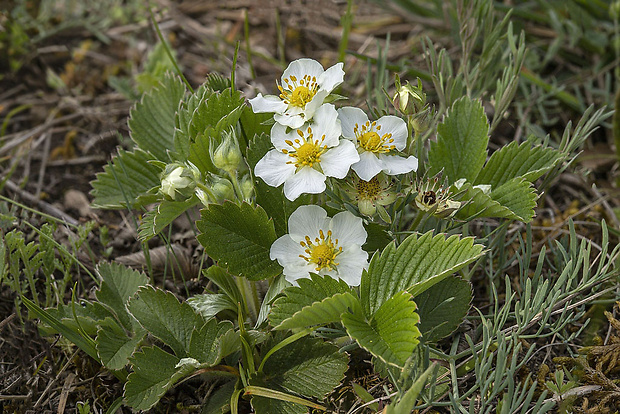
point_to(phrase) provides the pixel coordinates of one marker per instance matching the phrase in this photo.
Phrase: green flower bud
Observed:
(227, 155)
(178, 181)
(222, 189)
(247, 187)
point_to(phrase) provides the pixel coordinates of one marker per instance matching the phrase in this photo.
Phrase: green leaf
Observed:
(210, 304)
(324, 312)
(151, 121)
(442, 308)
(309, 291)
(118, 284)
(218, 402)
(391, 334)
(377, 238)
(82, 341)
(461, 146)
(183, 120)
(114, 346)
(162, 315)
(219, 112)
(253, 124)
(514, 160)
(308, 367)
(416, 265)
(205, 341)
(239, 238)
(225, 282)
(154, 221)
(154, 372)
(514, 200)
(408, 400)
(122, 181)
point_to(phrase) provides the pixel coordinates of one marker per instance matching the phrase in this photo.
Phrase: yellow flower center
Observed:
(306, 151)
(322, 251)
(368, 190)
(369, 139)
(298, 93)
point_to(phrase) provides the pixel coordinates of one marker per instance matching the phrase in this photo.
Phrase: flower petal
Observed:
(273, 168)
(337, 160)
(286, 251)
(368, 166)
(348, 229)
(306, 180)
(394, 164)
(394, 125)
(301, 67)
(269, 103)
(326, 123)
(351, 263)
(279, 137)
(311, 107)
(307, 221)
(350, 116)
(292, 118)
(332, 77)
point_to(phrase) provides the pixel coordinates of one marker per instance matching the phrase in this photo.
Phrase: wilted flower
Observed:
(178, 181)
(372, 195)
(434, 197)
(375, 142)
(304, 87)
(322, 245)
(303, 158)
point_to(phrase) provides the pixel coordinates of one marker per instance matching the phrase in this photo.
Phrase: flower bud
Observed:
(227, 155)
(222, 189)
(247, 187)
(178, 181)
(409, 99)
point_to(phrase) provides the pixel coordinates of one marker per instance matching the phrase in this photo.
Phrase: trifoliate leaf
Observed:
(114, 346)
(162, 315)
(513, 160)
(442, 308)
(309, 291)
(118, 284)
(151, 121)
(122, 181)
(239, 238)
(183, 120)
(461, 146)
(154, 221)
(416, 265)
(391, 334)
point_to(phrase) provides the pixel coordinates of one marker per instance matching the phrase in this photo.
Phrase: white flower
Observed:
(304, 157)
(375, 141)
(322, 245)
(303, 88)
